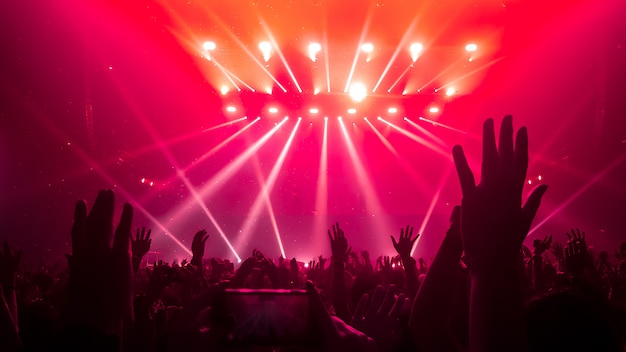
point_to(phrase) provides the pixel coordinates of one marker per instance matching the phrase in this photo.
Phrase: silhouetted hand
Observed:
(334, 334)
(141, 243)
(378, 316)
(557, 250)
(197, 246)
(542, 246)
(405, 243)
(99, 285)
(338, 243)
(493, 221)
(9, 263)
(576, 253)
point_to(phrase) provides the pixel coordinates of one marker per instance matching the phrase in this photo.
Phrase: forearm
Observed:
(430, 312)
(538, 283)
(496, 309)
(411, 276)
(339, 296)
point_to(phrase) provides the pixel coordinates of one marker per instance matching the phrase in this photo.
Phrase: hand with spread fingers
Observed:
(494, 224)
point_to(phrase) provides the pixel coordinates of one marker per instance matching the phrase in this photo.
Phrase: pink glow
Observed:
(264, 197)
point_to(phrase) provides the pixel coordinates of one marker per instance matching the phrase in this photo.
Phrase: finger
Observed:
(388, 301)
(393, 240)
(409, 231)
(466, 177)
(375, 302)
(397, 306)
(100, 220)
(505, 145)
(529, 210)
(121, 243)
(490, 153)
(319, 315)
(148, 235)
(359, 311)
(330, 237)
(521, 156)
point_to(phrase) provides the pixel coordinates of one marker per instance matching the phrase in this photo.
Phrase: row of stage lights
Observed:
(314, 48)
(315, 111)
(356, 91)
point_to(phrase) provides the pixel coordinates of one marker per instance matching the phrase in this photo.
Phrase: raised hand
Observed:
(378, 316)
(405, 243)
(576, 254)
(140, 245)
(334, 334)
(542, 246)
(99, 285)
(493, 221)
(9, 263)
(494, 224)
(197, 248)
(338, 243)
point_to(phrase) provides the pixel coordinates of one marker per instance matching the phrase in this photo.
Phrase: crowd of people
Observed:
(484, 290)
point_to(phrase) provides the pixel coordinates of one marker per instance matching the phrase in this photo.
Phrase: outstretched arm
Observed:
(340, 249)
(493, 226)
(140, 245)
(403, 246)
(430, 312)
(197, 248)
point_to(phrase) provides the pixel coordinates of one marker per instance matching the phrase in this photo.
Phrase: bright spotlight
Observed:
(224, 90)
(231, 109)
(450, 91)
(433, 109)
(314, 110)
(314, 48)
(266, 50)
(208, 46)
(471, 47)
(358, 92)
(268, 90)
(352, 111)
(316, 91)
(392, 110)
(273, 110)
(416, 50)
(367, 47)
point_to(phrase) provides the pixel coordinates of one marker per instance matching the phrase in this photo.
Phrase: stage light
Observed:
(450, 91)
(392, 110)
(208, 46)
(268, 90)
(143, 180)
(314, 48)
(416, 50)
(314, 110)
(272, 110)
(433, 109)
(358, 92)
(539, 177)
(470, 48)
(316, 91)
(367, 47)
(224, 90)
(266, 50)
(352, 111)
(231, 109)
